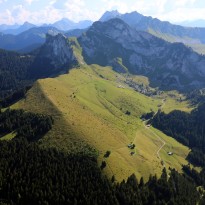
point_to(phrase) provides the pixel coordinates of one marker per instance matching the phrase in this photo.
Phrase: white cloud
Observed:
(3, 1)
(183, 14)
(20, 14)
(6, 17)
(183, 3)
(148, 7)
(122, 7)
(29, 1)
(53, 10)
(75, 10)
(173, 11)
(160, 4)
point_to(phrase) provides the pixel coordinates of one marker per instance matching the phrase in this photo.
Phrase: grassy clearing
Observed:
(180, 151)
(175, 101)
(9, 136)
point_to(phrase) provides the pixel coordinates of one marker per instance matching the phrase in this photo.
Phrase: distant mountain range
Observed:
(15, 31)
(4, 27)
(26, 41)
(66, 24)
(147, 23)
(193, 37)
(63, 25)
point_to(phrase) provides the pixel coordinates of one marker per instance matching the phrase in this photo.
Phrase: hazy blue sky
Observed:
(41, 11)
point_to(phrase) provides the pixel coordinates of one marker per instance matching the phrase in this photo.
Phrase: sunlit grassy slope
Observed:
(95, 111)
(8, 136)
(89, 106)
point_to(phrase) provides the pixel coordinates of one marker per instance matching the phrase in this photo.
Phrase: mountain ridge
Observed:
(143, 53)
(34, 36)
(64, 25)
(141, 22)
(165, 30)
(15, 31)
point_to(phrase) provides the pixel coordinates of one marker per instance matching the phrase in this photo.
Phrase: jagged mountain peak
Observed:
(114, 23)
(120, 31)
(55, 36)
(109, 15)
(113, 12)
(27, 23)
(66, 20)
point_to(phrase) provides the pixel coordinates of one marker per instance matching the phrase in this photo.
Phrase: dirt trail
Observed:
(159, 138)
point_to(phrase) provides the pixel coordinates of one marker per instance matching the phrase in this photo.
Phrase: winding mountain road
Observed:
(159, 138)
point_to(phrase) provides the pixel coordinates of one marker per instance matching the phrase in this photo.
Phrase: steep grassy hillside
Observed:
(92, 105)
(96, 111)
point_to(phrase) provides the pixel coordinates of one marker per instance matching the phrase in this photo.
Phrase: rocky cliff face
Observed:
(56, 56)
(58, 50)
(167, 65)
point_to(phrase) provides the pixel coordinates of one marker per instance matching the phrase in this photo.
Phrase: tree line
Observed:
(14, 72)
(189, 129)
(24, 124)
(31, 175)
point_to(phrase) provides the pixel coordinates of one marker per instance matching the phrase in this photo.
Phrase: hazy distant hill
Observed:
(27, 40)
(4, 27)
(15, 31)
(66, 24)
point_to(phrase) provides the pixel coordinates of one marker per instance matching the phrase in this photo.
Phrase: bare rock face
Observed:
(58, 50)
(55, 57)
(167, 65)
